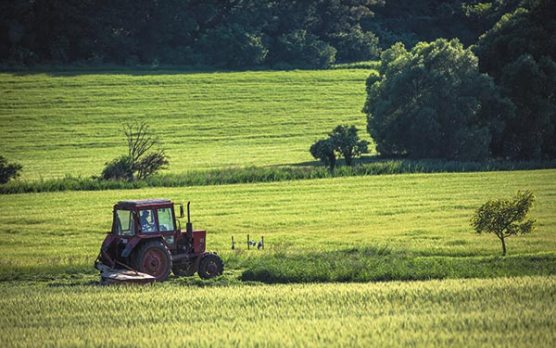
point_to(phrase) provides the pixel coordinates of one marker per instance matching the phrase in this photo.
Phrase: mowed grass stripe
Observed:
(72, 124)
(420, 214)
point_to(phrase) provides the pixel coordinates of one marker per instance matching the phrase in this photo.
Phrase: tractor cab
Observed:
(146, 219)
(146, 237)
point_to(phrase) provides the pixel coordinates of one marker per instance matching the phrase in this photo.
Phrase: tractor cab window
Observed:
(123, 223)
(147, 221)
(165, 219)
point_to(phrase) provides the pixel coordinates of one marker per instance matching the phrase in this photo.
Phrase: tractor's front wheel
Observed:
(186, 270)
(211, 265)
(153, 258)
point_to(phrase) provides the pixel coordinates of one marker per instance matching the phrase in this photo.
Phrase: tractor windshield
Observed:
(165, 219)
(123, 223)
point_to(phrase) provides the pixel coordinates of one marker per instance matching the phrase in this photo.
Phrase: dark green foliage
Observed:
(188, 32)
(8, 171)
(355, 45)
(139, 163)
(344, 141)
(120, 168)
(505, 217)
(432, 102)
(520, 53)
(222, 34)
(323, 150)
(151, 163)
(347, 143)
(302, 49)
(410, 21)
(232, 46)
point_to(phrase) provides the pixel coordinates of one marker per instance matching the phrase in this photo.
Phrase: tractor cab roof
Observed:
(143, 202)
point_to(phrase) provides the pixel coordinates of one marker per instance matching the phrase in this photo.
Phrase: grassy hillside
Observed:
(72, 123)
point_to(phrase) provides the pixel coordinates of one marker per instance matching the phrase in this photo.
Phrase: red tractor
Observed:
(147, 238)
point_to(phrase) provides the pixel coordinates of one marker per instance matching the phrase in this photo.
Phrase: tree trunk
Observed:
(503, 246)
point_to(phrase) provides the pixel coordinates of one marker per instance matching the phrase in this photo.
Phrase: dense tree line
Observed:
(519, 52)
(217, 33)
(496, 98)
(231, 33)
(410, 21)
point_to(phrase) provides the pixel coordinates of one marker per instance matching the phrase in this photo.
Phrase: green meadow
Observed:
(390, 218)
(72, 123)
(380, 260)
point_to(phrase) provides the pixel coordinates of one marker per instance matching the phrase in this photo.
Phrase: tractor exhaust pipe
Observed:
(189, 225)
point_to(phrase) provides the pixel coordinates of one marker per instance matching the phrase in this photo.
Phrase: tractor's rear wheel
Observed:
(153, 258)
(211, 265)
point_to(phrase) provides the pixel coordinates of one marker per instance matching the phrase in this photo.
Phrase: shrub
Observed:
(323, 150)
(8, 171)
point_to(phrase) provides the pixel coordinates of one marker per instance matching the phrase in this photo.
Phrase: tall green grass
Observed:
(516, 312)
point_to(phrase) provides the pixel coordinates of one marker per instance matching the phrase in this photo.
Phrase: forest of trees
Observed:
(237, 34)
(230, 34)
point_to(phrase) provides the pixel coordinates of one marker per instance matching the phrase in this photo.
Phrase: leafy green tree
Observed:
(432, 102)
(343, 141)
(347, 143)
(8, 171)
(519, 54)
(355, 45)
(231, 33)
(505, 217)
(323, 150)
(140, 162)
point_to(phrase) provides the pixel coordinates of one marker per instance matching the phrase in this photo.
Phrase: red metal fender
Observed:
(107, 242)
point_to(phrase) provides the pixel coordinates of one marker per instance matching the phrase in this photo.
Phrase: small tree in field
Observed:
(347, 143)
(344, 141)
(505, 217)
(138, 164)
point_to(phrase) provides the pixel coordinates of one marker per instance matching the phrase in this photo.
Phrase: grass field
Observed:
(64, 123)
(509, 312)
(421, 215)
(342, 244)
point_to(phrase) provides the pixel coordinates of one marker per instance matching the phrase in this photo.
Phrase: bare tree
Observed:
(139, 162)
(139, 139)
